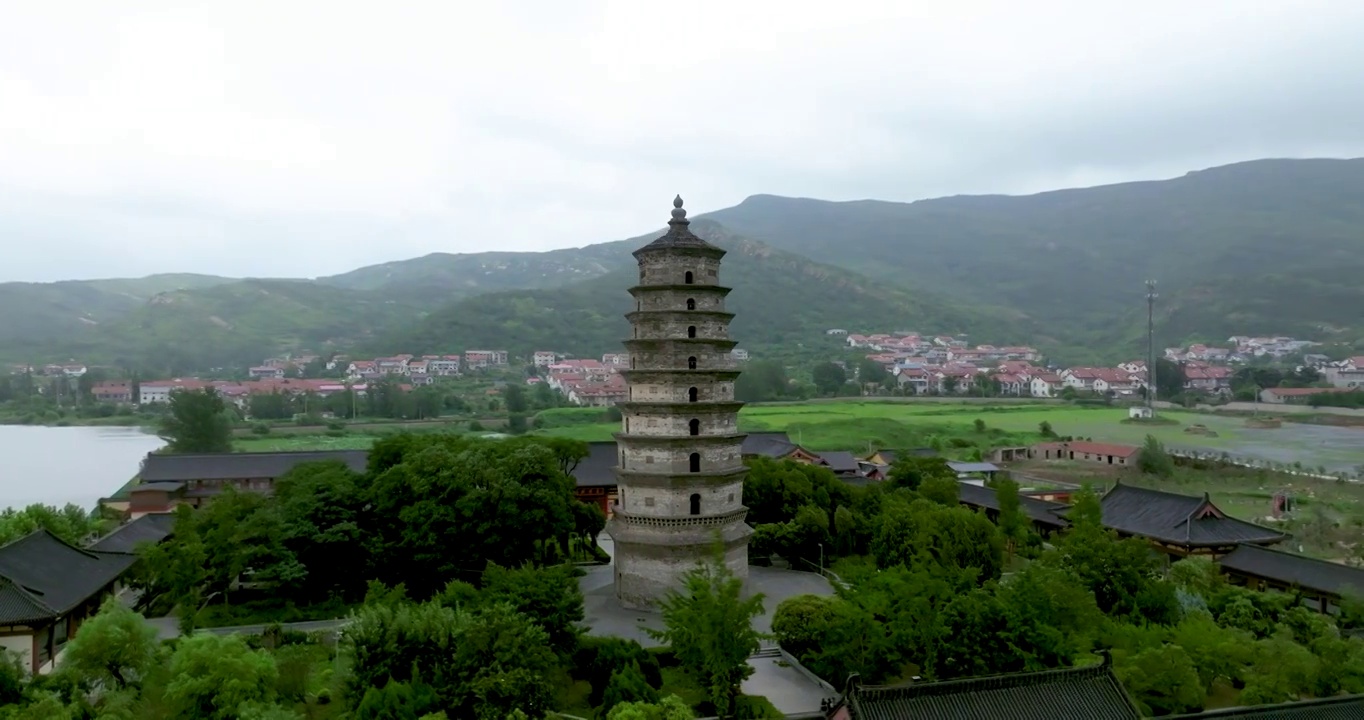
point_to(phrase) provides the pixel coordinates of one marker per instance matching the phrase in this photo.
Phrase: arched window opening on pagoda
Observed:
(691, 363)
(694, 427)
(694, 462)
(688, 279)
(692, 394)
(691, 303)
(691, 331)
(695, 503)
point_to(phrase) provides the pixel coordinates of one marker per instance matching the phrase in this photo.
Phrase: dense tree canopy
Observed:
(197, 422)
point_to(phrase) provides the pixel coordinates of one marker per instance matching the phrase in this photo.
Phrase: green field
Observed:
(854, 425)
(866, 425)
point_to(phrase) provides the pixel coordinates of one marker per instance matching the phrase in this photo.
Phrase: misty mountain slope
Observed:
(1078, 258)
(48, 312)
(781, 299)
(238, 323)
(460, 275)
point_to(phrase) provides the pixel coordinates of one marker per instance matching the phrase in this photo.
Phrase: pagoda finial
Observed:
(679, 215)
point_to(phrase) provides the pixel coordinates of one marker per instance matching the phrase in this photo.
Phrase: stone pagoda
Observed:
(680, 476)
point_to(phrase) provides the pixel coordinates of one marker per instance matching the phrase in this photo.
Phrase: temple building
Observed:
(680, 468)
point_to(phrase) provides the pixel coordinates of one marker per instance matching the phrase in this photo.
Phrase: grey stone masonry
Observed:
(680, 469)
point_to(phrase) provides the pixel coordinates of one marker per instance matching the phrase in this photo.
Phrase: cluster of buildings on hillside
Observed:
(939, 349)
(1242, 348)
(151, 392)
(920, 376)
(594, 383)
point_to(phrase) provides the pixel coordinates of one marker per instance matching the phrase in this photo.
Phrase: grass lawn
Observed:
(266, 443)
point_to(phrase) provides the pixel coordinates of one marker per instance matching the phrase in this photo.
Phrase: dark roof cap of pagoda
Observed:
(679, 235)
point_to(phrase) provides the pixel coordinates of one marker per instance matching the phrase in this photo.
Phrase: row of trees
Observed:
(923, 593)
(327, 530)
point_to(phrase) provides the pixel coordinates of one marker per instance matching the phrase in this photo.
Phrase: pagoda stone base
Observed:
(646, 570)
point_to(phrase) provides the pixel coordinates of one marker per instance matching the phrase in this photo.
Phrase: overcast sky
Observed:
(304, 139)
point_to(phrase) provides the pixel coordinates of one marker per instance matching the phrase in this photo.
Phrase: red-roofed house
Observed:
(1011, 384)
(1104, 453)
(1210, 379)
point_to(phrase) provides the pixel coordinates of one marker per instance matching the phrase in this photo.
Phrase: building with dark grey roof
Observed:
(129, 536)
(841, 463)
(47, 589)
(1088, 693)
(1179, 524)
(1261, 568)
(168, 480)
(1042, 513)
(1349, 707)
(158, 467)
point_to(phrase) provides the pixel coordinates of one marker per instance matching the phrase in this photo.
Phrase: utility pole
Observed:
(1151, 347)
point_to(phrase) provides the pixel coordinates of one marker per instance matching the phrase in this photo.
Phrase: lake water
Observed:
(59, 465)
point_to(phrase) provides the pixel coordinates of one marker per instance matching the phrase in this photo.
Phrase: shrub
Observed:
(261, 428)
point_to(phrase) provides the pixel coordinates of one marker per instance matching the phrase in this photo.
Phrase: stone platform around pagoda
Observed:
(790, 691)
(604, 616)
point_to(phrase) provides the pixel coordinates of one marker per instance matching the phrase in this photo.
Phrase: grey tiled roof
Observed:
(57, 575)
(840, 462)
(1349, 707)
(768, 444)
(19, 607)
(1090, 693)
(1187, 520)
(595, 469)
(1039, 511)
(679, 235)
(1293, 569)
(149, 528)
(231, 466)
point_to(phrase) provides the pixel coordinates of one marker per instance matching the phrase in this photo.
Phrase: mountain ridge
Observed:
(1068, 263)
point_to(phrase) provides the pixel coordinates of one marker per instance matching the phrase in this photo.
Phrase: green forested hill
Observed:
(782, 301)
(40, 314)
(233, 324)
(446, 276)
(1075, 260)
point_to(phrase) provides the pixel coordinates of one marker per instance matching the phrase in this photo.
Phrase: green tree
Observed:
(871, 372)
(214, 676)
(1169, 379)
(70, 523)
(627, 685)
(828, 377)
(197, 422)
(514, 395)
(761, 380)
(550, 596)
(116, 648)
(1044, 429)
(709, 626)
(1152, 459)
(911, 472)
(669, 708)
(1163, 680)
(1013, 524)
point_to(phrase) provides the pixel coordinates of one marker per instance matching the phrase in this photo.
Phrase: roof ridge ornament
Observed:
(679, 215)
